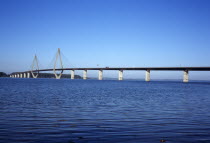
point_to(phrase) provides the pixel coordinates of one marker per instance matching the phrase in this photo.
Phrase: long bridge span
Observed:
(35, 73)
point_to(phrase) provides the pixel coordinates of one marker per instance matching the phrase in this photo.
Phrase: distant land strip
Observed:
(46, 75)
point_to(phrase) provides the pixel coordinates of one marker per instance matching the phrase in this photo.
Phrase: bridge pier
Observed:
(147, 78)
(21, 75)
(100, 74)
(58, 77)
(72, 74)
(186, 76)
(28, 75)
(34, 76)
(85, 74)
(120, 77)
(24, 75)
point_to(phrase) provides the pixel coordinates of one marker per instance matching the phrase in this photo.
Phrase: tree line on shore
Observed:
(45, 75)
(2, 74)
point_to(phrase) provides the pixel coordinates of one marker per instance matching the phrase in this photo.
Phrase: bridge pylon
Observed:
(58, 57)
(35, 64)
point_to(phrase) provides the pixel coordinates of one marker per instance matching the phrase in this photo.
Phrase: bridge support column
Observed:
(186, 76)
(85, 74)
(24, 75)
(15, 75)
(33, 75)
(18, 75)
(58, 77)
(28, 75)
(120, 77)
(21, 75)
(147, 78)
(100, 74)
(72, 74)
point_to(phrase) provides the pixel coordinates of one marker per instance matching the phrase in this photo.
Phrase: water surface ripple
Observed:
(91, 111)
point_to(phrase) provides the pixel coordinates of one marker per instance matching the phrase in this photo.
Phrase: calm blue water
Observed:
(91, 111)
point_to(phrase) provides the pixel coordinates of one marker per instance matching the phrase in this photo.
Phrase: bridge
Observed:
(35, 73)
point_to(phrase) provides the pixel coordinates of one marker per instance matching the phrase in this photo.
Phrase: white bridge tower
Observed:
(35, 64)
(58, 57)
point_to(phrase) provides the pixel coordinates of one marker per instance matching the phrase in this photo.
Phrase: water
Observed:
(91, 111)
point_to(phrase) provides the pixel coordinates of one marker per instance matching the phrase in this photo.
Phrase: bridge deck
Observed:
(132, 68)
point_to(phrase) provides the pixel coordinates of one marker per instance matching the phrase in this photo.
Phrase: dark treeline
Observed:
(51, 75)
(2, 74)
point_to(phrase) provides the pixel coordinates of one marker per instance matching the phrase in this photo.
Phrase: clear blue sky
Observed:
(105, 32)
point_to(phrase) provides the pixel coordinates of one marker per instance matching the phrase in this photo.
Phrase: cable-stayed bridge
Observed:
(34, 72)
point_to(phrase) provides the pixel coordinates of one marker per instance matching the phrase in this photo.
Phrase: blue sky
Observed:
(112, 33)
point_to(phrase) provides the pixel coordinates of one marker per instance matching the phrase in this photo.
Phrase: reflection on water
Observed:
(78, 111)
